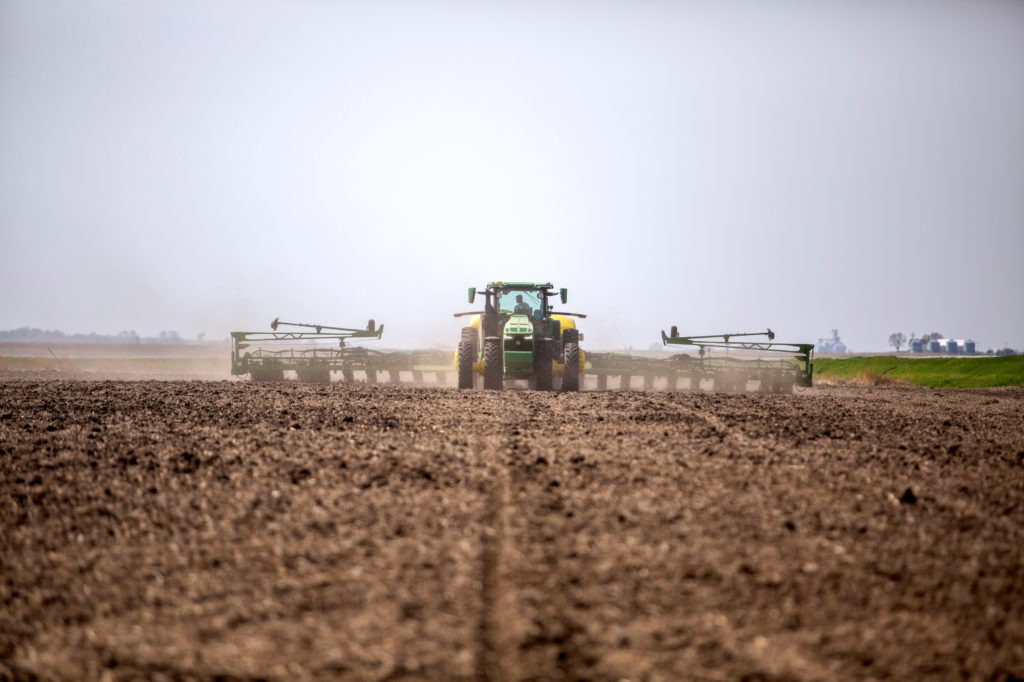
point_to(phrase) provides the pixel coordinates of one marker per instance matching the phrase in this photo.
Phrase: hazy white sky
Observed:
(208, 165)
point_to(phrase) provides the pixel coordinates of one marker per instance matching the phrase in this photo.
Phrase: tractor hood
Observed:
(518, 324)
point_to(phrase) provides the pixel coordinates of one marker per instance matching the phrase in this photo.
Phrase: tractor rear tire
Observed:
(542, 369)
(494, 372)
(571, 373)
(465, 363)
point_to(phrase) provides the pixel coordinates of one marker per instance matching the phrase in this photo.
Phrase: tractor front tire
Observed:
(494, 373)
(542, 369)
(465, 364)
(571, 373)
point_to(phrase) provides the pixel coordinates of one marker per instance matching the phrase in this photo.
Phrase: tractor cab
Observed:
(504, 299)
(523, 302)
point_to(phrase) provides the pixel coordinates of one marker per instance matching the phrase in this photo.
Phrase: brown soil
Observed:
(201, 530)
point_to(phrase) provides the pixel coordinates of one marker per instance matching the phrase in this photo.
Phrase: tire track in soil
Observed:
(502, 633)
(496, 645)
(499, 630)
(550, 640)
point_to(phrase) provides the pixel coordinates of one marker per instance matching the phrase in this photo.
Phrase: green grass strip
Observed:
(933, 372)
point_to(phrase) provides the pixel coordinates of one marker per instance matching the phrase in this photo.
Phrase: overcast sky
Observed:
(209, 165)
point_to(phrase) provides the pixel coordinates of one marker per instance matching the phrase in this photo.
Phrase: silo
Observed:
(951, 347)
(934, 347)
(916, 345)
(969, 347)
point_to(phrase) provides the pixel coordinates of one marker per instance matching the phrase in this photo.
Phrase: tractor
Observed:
(518, 336)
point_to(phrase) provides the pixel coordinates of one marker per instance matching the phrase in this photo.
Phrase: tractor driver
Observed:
(522, 307)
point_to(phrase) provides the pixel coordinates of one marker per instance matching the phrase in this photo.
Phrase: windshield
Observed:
(523, 302)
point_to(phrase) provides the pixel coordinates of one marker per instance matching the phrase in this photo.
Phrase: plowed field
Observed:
(227, 530)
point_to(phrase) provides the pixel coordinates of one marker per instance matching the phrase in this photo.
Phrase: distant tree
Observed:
(934, 336)
(897, 340)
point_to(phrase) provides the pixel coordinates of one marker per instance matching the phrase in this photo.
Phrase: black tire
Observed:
(571, 373)
(542, 370)
(494, 372)
(466, 357)
(571, 357)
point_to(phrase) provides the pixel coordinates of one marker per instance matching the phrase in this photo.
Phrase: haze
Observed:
(727, 166)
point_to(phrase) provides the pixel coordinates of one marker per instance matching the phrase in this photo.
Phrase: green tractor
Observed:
(518, 336)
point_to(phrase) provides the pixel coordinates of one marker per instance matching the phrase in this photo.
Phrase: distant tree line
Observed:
(34, 335)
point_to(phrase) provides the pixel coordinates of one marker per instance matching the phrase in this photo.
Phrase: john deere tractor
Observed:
(518, 336)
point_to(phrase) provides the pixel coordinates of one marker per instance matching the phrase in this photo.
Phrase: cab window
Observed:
(507, 302)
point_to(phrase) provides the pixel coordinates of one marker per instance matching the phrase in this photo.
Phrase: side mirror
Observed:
(472, 294)
(563, 294)
(674, 332)
(371, 326)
